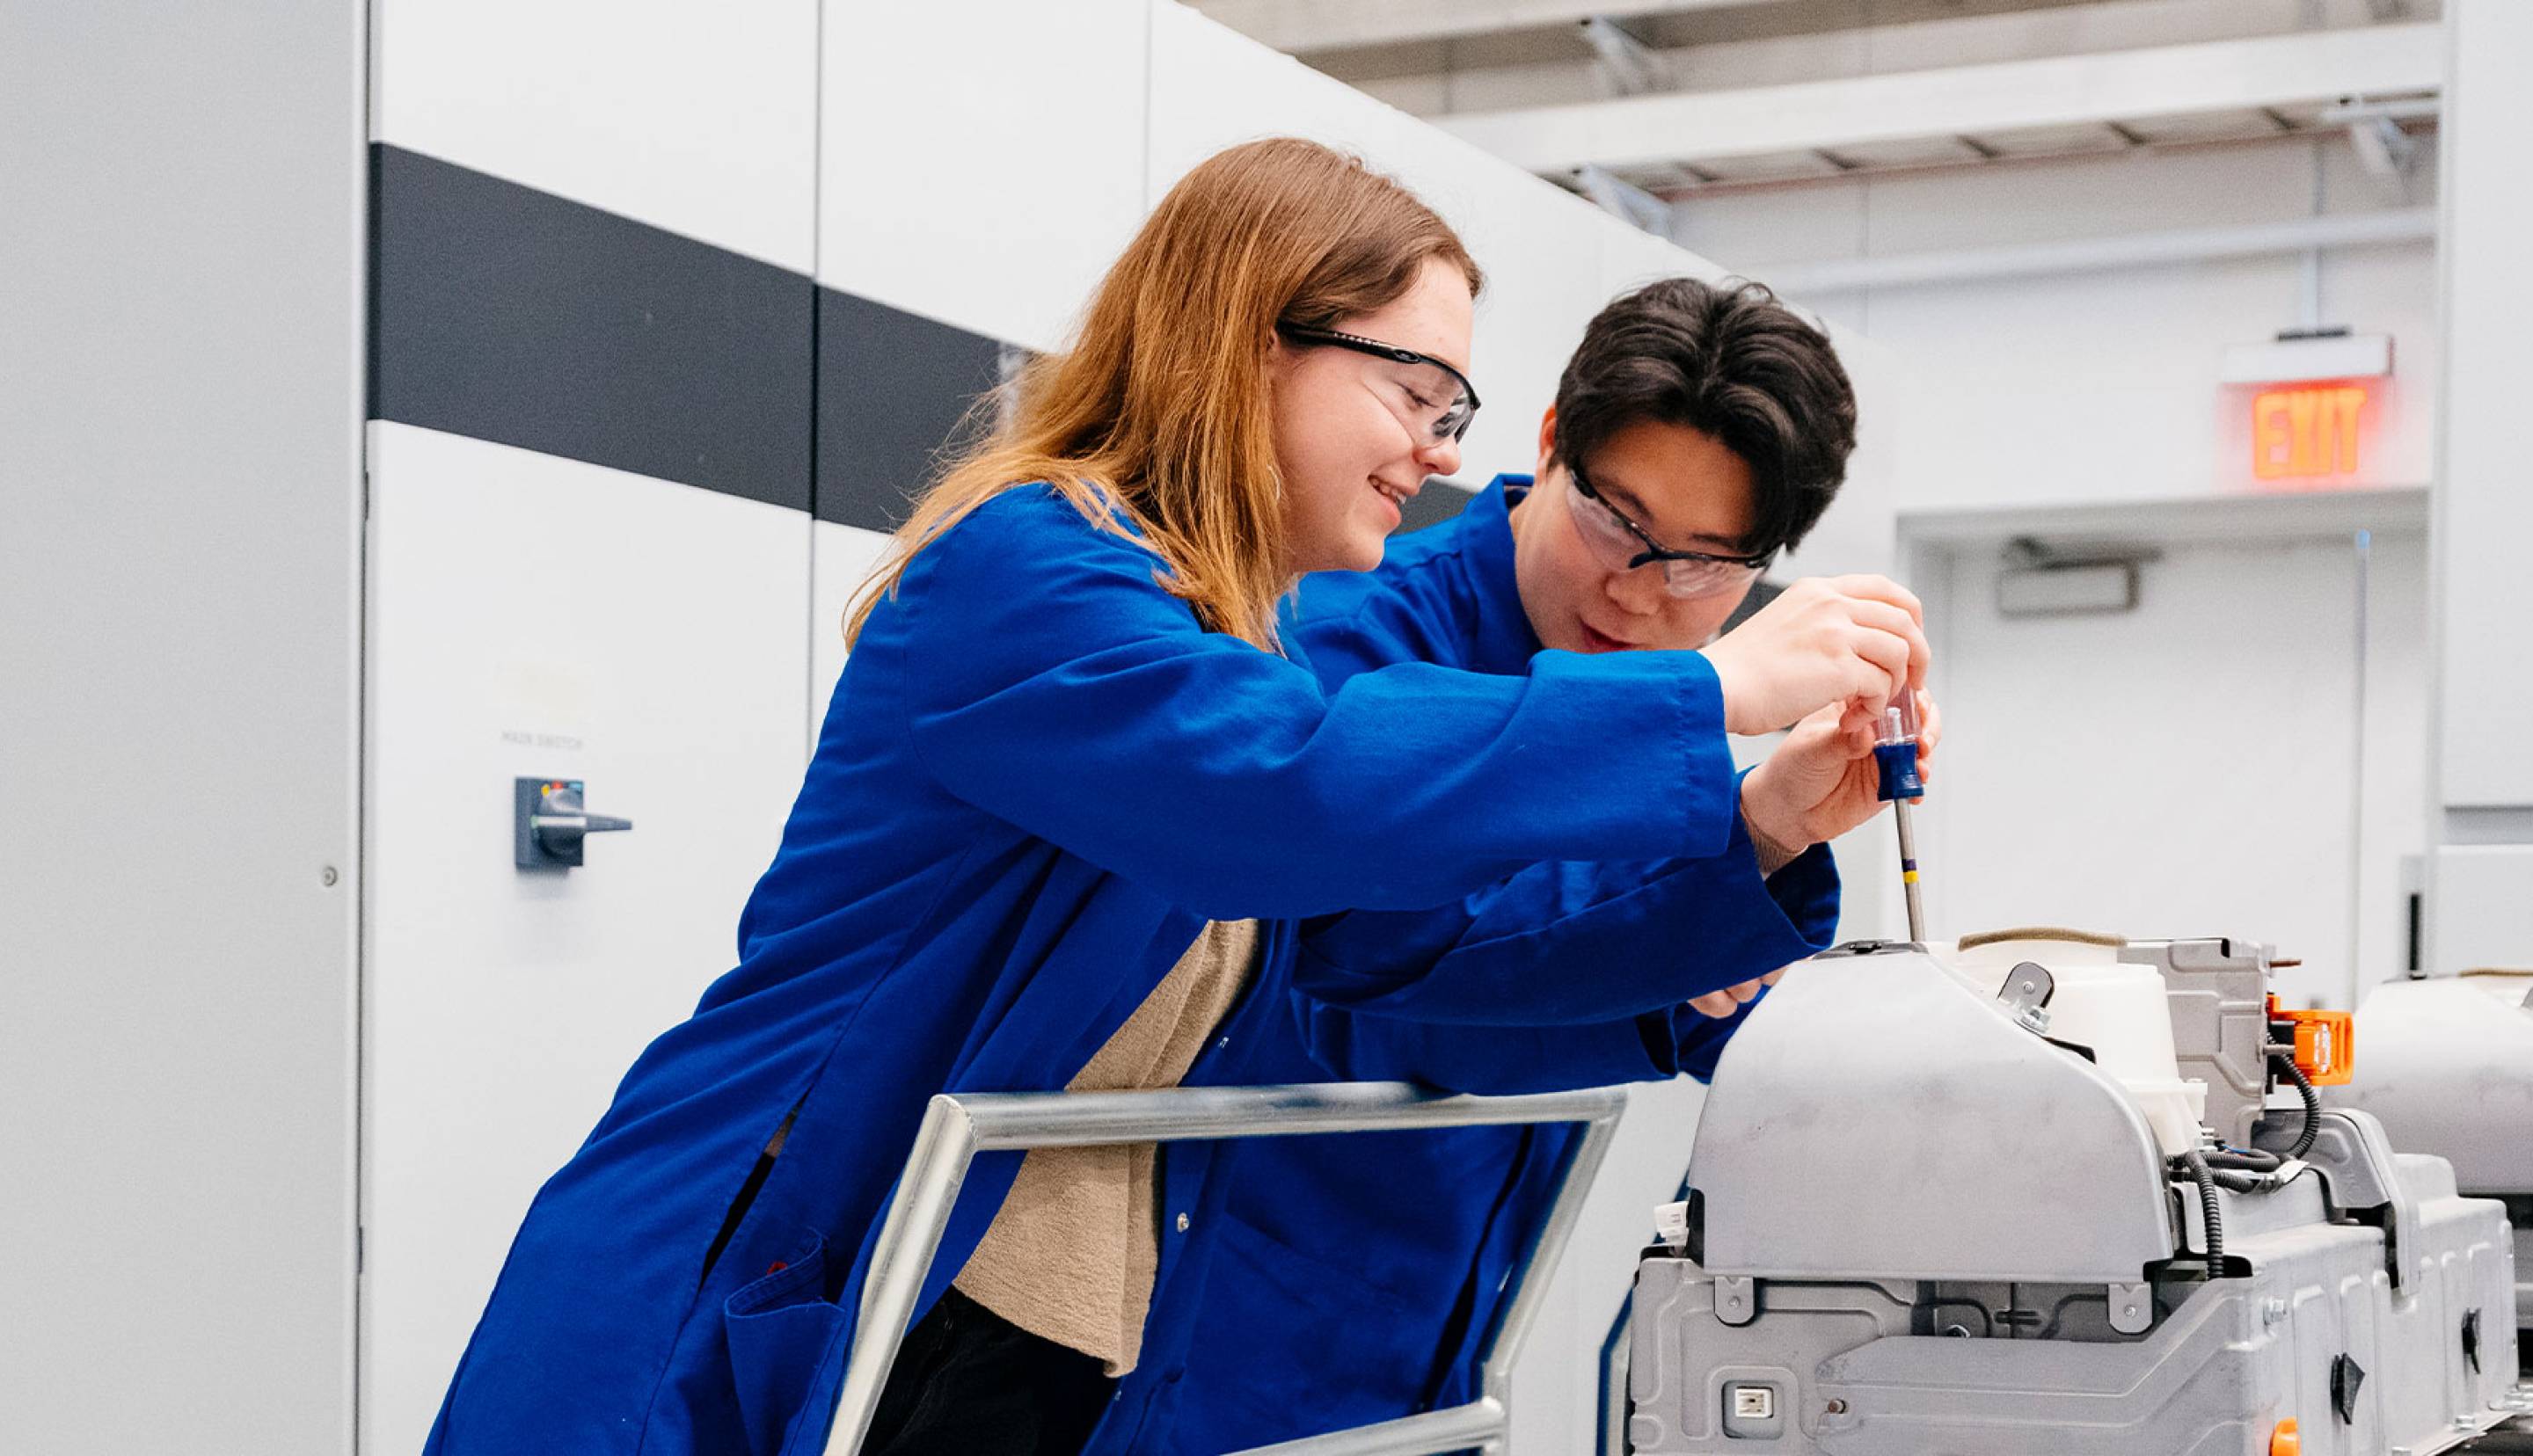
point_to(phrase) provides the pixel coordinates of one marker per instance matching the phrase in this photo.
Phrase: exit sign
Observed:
(2310, 429)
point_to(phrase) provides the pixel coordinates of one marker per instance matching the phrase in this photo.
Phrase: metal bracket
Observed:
(1633, 67)
(2027, 992)
(2356, 1162)
(1623, 200)
(1737, 1299)
(2132, 1308)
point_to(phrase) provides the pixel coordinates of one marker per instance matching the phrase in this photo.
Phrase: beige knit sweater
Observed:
(1072, 1254)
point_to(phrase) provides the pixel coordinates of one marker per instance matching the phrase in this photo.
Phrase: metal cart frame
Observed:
(957, 1127)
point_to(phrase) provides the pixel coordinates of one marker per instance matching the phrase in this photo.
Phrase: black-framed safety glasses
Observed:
(1433, 397)
(1624, 546)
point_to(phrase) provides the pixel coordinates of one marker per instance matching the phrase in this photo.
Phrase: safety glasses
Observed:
(1622, 546)
(1429, 395)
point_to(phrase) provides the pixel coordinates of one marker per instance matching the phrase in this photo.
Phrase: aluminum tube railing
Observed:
(1480, 1423)
(958, 1127)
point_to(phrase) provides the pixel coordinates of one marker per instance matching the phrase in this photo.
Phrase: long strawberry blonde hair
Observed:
(1161, 412)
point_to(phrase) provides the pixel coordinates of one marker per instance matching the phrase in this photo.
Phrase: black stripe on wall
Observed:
(893, 392)
(503, 312)
(510, 315)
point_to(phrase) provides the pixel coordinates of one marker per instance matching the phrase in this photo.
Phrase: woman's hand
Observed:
(1824, 640)
(1822, 780)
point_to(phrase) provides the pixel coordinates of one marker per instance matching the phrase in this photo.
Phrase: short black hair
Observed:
(1726, 360)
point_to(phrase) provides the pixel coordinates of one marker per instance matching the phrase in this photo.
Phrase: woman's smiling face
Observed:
(1345, 438)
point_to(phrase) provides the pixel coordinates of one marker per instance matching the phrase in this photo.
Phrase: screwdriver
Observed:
(1895, 754)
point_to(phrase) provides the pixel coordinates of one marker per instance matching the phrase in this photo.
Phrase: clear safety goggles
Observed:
(1622, 546)
(1432, 397)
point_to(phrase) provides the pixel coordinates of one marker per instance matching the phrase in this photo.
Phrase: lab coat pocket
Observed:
(780, 1329)
(1306, 1347)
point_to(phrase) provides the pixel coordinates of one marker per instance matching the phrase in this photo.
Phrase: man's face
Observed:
(1683, 487)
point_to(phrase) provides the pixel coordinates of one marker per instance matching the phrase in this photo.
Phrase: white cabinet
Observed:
(698, 119)
(983, 161)
(533, 615)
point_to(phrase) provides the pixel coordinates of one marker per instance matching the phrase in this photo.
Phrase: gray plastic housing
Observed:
(2218, 989)
(1878, 1119)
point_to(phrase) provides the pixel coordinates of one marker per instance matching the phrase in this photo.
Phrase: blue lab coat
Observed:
(1038, 778)
(1358, 1277)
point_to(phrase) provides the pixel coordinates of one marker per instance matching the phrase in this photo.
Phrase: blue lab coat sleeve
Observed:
(1570, 943)
(1225, 779)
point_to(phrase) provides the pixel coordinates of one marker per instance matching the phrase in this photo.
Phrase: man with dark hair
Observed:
(1708, 428)
(1697, 432)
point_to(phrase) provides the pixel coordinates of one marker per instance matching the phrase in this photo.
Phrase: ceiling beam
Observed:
(1964, 101)
(1298, 27)
(2094, 254)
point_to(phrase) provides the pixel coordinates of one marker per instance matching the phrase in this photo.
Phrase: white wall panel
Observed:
(2188, 768)
(2100, 386)
(532, 615)
(2051, 394)
(2483, 906)
(2391, 818)
(840, 558)
(1630, 258)
(983, 161)
(2484, 512)
(697, 119)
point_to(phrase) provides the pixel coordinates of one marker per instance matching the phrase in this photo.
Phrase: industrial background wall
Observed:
(507, 394)
(2063, 214)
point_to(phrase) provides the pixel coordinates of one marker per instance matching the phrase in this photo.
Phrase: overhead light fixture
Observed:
(2302, 356)
(2039, 580)
(2067, 590)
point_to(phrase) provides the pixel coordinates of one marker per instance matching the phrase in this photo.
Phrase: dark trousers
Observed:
(968, 1382)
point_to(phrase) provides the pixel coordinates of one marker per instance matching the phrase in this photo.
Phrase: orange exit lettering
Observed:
(2304, 432)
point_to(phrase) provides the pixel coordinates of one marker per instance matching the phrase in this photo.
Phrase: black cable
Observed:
(2195, 1168)
(2249, 1159)
(2286, 1058)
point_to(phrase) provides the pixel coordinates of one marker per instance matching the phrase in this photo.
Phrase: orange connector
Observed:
(2285, 1440)
(2325, 1042)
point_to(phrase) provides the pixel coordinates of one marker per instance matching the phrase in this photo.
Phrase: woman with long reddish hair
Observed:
(1066, 809)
